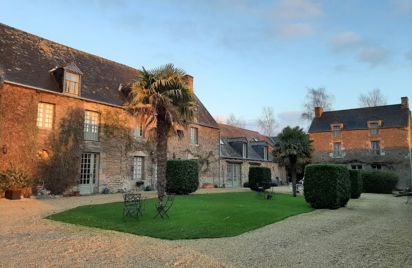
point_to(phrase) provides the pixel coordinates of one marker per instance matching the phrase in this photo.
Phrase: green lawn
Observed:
(192, 216)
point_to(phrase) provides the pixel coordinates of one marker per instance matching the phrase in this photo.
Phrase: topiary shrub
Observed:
(378, 181)
(355, 183)
(259, 177)
(182, 176)
(327, 186)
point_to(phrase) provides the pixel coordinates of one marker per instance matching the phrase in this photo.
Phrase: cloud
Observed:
(402, 6)
(346, 41)
(297, 9)
(295, 30)
(374, 56)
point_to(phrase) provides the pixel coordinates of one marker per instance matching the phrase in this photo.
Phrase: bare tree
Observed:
(267, 122)
(234, 121)
(316, 98)
(372, 98)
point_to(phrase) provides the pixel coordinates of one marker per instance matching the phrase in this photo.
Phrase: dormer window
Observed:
(265, 153)
(71, 83)
(374, 127)
(244, 150)
(337, 130)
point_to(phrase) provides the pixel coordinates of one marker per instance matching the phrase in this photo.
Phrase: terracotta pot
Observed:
(76, 193)
(13, 194)
(208, 186)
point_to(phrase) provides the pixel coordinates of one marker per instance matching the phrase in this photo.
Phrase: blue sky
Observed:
(243, 54)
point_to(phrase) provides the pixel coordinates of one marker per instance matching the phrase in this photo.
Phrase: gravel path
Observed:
(375, 231)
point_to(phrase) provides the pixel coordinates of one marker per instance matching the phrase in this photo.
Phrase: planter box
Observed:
(13, 194)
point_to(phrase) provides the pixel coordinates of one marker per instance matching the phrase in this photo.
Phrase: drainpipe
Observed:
(410, 163)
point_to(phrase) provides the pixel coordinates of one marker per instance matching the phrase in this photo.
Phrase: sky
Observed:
(244, 54)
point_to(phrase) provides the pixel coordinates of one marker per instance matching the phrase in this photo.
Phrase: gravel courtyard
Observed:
(374, 231)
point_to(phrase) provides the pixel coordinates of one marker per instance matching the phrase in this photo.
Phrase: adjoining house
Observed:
(378, 138)
(241, 149)
(45, 83)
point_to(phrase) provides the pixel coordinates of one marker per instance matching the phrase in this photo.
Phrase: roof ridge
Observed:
(68, 47)
(362, 108)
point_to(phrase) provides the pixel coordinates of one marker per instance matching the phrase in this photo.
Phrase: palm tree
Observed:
(294, 147)
(163, 96)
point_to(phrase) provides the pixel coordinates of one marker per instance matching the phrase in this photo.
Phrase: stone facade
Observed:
(206, 151)
(23, 142)
(276, 171)
(356, 145)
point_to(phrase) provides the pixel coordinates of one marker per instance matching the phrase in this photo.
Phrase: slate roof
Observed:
(28, 59)
(232, 137)
(392, 116)
(228, 131)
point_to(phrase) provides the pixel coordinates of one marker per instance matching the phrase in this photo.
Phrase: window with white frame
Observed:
(88, 168)
(374, 128)
(45, 114)
(138, 168)
(265, 153)
(376, 147)
(194, 139)
(336, 131)
(91, 126)
(138, 131)
(337, 149)
(71, 83)
(244, 150)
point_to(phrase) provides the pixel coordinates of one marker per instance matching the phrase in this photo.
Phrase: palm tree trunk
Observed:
(161, 157)
(293, 171)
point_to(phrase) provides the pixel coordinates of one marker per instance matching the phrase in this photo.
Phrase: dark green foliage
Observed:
(355, 183)
(246, 184)
(182, 176)
(327, 186)
(259, 176)
(378, 181)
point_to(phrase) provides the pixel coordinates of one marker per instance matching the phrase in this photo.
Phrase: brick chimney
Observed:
(318, 112)
(405, 102)
(189, 80)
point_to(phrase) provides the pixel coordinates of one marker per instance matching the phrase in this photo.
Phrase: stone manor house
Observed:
(378, 138)
(45, 84)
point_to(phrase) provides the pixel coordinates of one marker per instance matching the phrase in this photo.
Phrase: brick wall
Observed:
(356, 145)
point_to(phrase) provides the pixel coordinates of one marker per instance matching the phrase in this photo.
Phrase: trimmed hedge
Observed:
(355, 183)
(327, 186)
(182, 176)
(259, 176)
(378, 181)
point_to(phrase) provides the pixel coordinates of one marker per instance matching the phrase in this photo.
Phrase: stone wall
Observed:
(206, 151)
(276, 170)
(23, 140)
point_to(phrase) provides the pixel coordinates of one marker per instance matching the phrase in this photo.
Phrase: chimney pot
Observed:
(318, 112)
(189, 81)
(405, 102)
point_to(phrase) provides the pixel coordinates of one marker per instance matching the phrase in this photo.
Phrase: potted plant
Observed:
(16, 182)
(2, 185)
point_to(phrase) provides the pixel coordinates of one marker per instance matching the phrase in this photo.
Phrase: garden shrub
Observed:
(182, 176)
(355, 183)
(259, 176)
(246, 184)
(327, 186)
(378, 181)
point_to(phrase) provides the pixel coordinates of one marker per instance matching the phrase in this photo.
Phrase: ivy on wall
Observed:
(61, 166)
